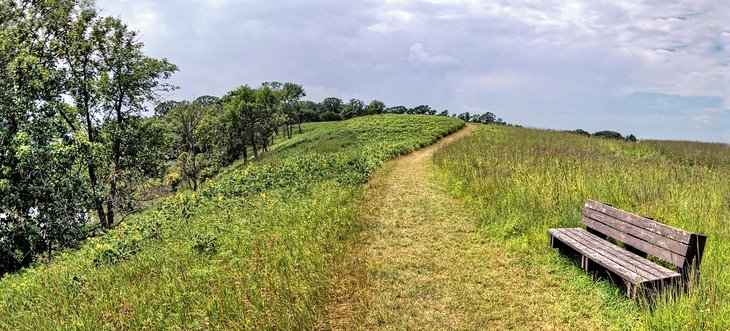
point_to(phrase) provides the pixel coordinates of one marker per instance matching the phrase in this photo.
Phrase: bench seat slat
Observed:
(592, 242)
(639, 232)
(635, 260)
(666, 255)
(583, 247)
(629, 266)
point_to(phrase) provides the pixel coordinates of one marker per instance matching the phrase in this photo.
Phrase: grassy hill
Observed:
(521, 182)
(251, 249)
(258, 246)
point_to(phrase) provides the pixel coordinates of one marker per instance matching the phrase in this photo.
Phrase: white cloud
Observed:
(390, 21)
(417, 54)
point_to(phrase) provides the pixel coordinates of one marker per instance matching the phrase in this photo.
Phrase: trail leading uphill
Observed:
(421, 263)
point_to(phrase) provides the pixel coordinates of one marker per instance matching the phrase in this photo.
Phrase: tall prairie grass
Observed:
(523, 181)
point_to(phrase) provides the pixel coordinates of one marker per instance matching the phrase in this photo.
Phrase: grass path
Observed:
(422, 264)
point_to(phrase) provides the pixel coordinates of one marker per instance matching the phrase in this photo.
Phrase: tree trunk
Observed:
(300, 126)
(195, 171)
(117, 151)
(253, 144)
(113, 184)
(97, 201)
(244, 147)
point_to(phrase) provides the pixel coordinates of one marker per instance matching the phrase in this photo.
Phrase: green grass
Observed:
(253, 248)
(521, 182)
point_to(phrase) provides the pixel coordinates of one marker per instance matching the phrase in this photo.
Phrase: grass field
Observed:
(452, 237)
(520, 182)
(252, 249)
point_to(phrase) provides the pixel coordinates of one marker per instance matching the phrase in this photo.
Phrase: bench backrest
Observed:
(644, 236)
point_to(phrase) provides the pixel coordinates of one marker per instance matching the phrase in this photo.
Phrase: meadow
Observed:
(253, 248)
(520, 182)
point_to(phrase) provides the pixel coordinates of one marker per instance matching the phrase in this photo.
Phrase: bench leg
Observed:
(590, 267)
(630, 290)
(557, 244)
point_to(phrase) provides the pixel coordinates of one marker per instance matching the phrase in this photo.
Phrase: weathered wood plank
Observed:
(644, 246)
(638, 232)
(658, 271)
(620, 259)
(640, 221)
(595, 256)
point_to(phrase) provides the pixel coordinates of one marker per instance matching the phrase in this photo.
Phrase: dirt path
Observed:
(421, 263)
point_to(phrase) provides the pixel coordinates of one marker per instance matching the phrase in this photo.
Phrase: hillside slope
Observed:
(252, 249)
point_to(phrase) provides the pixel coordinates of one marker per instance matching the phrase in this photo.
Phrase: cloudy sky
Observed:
(658, 69)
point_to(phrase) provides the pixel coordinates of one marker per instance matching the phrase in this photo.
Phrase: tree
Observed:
(186, 120)
(308, 111)
(353, 108)
(375, 107)
(607, 134)
(292, 107)
(330, 116)
(466, 117)
(486, 118)
(83, 75)
(581, 132)
(332, 105)
(396, 110)
(422, 110)
(445, 112)
(43, 193)
(128, 80)
(253, 112)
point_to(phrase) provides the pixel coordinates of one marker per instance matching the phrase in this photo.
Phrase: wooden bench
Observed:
(640, 237)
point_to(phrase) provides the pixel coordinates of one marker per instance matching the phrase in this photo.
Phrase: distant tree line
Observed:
(335, 109)
(605, 134)
(209, 133)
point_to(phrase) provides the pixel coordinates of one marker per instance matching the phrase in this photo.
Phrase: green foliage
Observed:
(73, 86)
(580, 132)
(42, 188)
(206, 243)
(522, 182)
(253, 248)
(607, 134)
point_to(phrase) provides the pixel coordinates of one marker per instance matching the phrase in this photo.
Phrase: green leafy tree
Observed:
(248, 109)
(128, 81)
(466, 117)
(292, 106)
(375, 107)
(422, 110)
(396, 110)
(608, 134)
(353, 108)
(331, 105)
(43, 193)
(186, 121)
